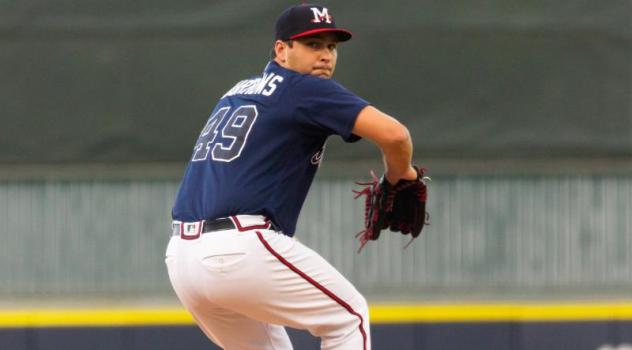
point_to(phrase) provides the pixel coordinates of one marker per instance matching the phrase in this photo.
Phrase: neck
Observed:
(279, 62)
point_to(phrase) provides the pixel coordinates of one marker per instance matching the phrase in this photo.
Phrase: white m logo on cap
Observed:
(319, 16)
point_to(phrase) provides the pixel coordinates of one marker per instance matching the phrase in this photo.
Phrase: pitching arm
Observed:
(392, 138)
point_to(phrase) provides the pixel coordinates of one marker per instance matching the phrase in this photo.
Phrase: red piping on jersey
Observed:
(265, 225)
(316, 284)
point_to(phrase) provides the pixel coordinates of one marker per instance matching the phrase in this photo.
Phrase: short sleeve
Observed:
(324, 106)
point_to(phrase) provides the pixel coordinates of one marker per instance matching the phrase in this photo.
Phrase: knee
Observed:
(356, 324)
(361, 306)
(350, 331)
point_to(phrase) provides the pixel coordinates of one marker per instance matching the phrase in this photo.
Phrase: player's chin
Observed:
(322, 73)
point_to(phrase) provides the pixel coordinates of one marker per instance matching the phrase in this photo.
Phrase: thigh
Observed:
(298, 288)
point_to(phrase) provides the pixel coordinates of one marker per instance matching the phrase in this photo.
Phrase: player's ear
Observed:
(280, 49)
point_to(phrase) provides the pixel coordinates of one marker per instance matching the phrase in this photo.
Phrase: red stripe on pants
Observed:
(315, 284)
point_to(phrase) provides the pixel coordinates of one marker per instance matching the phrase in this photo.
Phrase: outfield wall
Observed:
(491, 236)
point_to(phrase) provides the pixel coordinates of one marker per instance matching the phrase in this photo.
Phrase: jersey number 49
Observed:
(232, 140)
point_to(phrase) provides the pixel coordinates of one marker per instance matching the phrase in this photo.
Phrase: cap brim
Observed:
(341, 34)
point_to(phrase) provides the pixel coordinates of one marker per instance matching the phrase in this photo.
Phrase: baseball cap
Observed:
(305, 19)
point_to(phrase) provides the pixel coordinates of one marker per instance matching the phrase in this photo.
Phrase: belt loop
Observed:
(175, 228)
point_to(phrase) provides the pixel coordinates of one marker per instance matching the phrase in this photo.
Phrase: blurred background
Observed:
(520, 110)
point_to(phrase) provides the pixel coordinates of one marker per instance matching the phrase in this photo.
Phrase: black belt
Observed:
(220, 224)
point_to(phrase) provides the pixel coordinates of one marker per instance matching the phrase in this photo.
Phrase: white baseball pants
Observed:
(243, 285)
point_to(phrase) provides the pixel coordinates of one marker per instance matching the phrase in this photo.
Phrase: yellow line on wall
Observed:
(93, 317)
(500, 312)
(380, 314)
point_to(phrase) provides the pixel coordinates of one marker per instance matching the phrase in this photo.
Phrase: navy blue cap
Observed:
(305, 19)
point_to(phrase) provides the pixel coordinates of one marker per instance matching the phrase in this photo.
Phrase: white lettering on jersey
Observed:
(264, 85)
(272, 85)
(319, 16)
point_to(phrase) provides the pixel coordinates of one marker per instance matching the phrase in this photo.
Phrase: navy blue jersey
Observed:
(261, 146)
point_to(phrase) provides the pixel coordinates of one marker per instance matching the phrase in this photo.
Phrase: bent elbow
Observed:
(399, 136)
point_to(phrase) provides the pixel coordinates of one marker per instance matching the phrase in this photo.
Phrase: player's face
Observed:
(315, 55)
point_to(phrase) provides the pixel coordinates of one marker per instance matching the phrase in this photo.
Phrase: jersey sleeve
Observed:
(326, 107)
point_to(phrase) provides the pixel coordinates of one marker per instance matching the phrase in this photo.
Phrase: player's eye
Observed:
(313, 44)
(333, 47)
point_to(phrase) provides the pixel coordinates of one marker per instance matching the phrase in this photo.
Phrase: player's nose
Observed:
(326, 55)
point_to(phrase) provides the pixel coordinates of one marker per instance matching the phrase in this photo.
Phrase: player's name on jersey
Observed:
(264, 85)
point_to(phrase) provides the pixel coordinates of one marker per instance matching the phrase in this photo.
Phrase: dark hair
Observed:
(273, 52)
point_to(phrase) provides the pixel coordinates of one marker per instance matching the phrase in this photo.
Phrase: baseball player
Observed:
(232, 260)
